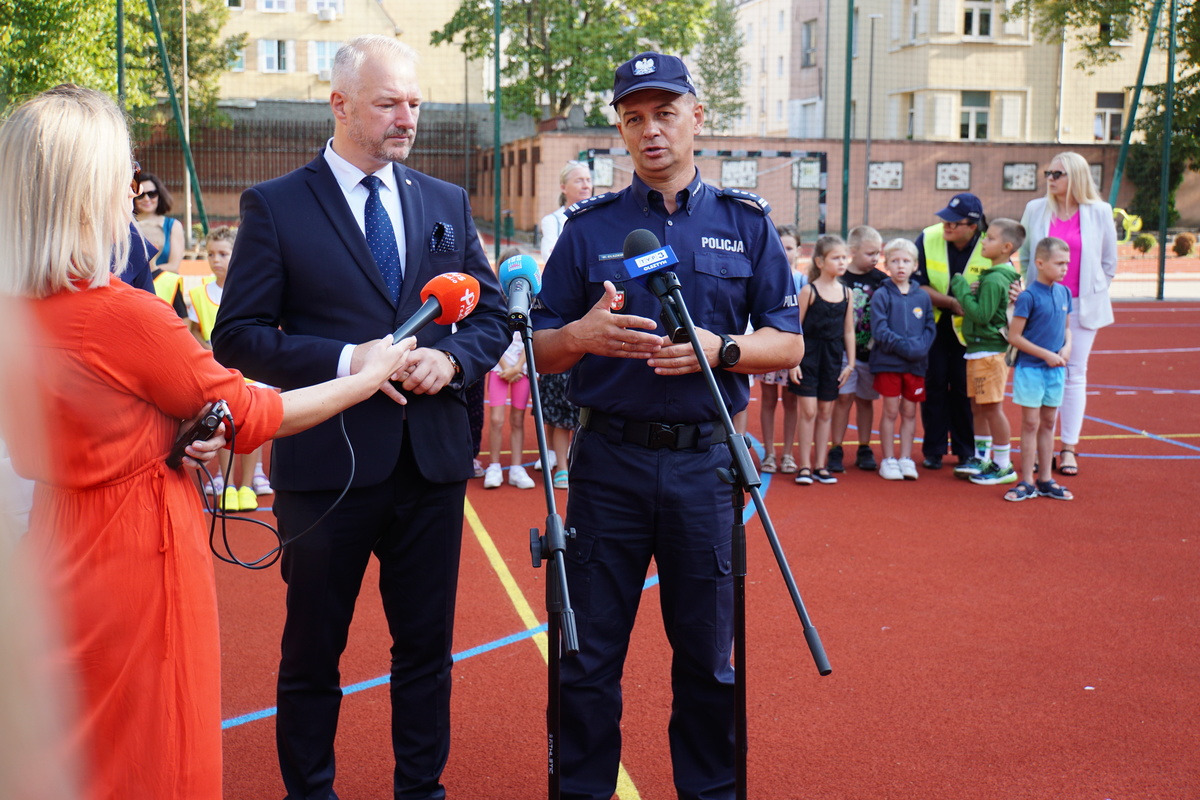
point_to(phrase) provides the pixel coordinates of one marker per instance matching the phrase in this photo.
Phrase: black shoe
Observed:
(834, 459)
(932, 462)
(865, 460)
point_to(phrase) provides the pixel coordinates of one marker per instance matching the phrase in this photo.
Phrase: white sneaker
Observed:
(908, 469)
(518, 477)
(493, 476)
(551, 456)
(889, 470)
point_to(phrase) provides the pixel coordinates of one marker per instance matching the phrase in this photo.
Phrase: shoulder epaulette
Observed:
(575, 209)
(747, 197)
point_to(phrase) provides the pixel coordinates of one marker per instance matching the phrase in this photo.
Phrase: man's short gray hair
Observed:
(353, 54)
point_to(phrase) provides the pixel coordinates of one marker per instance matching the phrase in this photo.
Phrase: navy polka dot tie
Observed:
(381, 236)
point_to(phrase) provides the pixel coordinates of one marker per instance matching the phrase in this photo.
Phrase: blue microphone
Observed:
(645, 256)
(521, 281)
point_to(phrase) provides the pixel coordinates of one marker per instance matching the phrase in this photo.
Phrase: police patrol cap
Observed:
(652, 71)
(964, 207)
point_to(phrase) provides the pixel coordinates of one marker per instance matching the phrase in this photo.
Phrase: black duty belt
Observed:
(655, 435)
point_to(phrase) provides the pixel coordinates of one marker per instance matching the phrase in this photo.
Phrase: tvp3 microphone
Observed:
(521, 281)
(448, 297)
(646, 259)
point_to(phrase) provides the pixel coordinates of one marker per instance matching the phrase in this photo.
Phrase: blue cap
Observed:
(652, 71)
(964, 207)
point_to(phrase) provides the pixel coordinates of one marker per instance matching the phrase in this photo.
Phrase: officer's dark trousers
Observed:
(629, 504)
(414, 528)
(946, 410)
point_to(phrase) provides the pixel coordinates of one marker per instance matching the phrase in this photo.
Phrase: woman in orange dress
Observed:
(119, 538)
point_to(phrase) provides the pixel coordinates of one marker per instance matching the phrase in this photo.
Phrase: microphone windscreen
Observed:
(521, 266)
(456, 292)
(638, 242)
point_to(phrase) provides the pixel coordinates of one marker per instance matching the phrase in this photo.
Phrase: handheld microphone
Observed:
(521, 281)
(448, 297)
(644, 256)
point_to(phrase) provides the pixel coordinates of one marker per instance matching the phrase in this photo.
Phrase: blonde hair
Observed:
(860, 234)
(350, 57)
(223, 233)
(902, 245)
(1080, 186)
(64, 212)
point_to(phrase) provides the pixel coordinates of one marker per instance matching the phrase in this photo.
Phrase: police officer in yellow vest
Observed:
(948, 248)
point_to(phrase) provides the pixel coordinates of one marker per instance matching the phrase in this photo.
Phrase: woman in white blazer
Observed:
(1073, 211)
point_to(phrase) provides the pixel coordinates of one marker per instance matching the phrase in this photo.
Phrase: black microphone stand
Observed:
(562, 638)
(742, 476)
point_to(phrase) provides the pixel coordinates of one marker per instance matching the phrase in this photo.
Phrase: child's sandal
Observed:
(768, 464)
(804, 476)
(1022, 491)
(1054, 491)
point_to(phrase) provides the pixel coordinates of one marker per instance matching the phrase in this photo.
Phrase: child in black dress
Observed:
(827, 317)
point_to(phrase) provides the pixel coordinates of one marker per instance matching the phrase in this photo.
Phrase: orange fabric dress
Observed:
(122, 540)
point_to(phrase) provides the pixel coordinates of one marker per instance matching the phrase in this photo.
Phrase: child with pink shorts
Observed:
(508, 385)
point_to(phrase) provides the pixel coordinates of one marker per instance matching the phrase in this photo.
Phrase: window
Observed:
(778, 109)
(233, 3)
(1115, 31)
(781, 23)
(333, 5)
(973, 122)
(749, 33)
(321, 56)
(914, 20)
(808, 44)
(977, 19)
(238, 62)
(1110, 117)
(273, 5)
(910, 125)
(854, 35)
(779, 67)
(273, 55)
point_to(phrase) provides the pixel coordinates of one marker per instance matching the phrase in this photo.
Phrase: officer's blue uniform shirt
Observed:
(732, 267)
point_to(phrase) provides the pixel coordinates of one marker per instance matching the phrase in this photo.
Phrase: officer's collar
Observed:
(686, 198)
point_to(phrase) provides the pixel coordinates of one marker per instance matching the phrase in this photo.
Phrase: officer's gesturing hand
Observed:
(598, 332)
(680, 359)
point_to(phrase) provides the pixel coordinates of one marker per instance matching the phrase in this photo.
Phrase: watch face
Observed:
(731, 353)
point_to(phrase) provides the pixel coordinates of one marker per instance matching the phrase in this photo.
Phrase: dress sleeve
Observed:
(141, 347)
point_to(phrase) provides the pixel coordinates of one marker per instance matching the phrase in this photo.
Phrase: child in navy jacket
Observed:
(902, 331)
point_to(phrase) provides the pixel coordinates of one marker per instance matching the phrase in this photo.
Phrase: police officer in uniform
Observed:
(950, 247)
(643, 468)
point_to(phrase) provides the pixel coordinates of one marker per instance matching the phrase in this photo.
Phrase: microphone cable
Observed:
(272, 556)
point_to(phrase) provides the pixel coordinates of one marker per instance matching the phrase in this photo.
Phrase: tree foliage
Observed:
(557, 53)
(719, 67)
(48, 42)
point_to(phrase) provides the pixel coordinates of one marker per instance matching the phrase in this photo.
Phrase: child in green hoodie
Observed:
(985, 321)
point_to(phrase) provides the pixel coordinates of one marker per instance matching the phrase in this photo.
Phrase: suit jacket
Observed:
(302, 284)
(1097, 262)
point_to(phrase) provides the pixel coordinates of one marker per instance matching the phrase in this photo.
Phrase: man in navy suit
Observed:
(304, 293)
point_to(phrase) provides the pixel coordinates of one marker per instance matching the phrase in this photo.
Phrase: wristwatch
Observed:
(731, 352)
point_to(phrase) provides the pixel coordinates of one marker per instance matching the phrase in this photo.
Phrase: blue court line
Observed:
(382, 680)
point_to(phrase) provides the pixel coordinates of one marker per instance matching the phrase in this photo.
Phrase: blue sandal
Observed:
(561, 480)
(1022, 491)
(1053, 490)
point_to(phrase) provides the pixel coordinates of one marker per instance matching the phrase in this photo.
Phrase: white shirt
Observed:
(349, 178)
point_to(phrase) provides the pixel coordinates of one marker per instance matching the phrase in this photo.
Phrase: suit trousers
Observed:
(946, 410)
(414, 528)
(629, 504)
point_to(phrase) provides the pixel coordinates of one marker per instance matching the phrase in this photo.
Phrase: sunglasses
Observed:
(1053, 174)
(137, 184)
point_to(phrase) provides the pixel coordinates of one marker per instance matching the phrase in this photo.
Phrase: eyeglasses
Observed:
(1053, 174)
(958, 224)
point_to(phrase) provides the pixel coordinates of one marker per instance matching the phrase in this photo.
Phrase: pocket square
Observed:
(442, 240)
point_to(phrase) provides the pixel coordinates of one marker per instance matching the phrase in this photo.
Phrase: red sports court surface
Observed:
(980, 649)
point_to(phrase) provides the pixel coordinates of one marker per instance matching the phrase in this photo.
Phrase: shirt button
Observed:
(724, 271)
(670, 223)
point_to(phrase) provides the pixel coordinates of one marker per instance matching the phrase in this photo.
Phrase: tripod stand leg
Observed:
(740, 734)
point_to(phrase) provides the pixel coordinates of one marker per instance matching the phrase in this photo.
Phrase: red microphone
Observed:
(448, 297)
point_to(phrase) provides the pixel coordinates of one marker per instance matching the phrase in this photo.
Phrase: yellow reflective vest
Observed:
(166, 286)
(206, 309)
(937, 268)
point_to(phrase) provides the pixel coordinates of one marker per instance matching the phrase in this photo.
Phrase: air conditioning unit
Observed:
(327, 14)
(323, 76)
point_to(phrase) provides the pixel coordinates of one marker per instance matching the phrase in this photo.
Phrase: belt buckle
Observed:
(662, 435)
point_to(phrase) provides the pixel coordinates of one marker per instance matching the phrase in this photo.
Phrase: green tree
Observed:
(557, 53)
(719, 67)
(48, 42)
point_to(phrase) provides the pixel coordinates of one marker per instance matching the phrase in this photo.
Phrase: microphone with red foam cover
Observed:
(448, 297)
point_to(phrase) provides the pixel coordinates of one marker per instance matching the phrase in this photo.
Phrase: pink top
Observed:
(1068, 231)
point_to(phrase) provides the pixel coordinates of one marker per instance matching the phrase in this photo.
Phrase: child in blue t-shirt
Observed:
(1040, 331)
